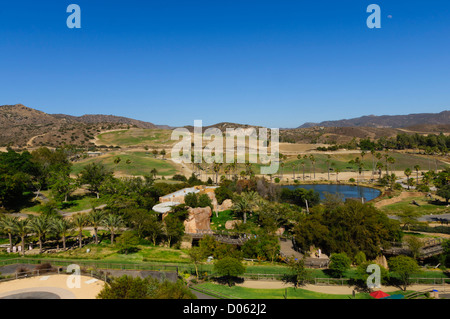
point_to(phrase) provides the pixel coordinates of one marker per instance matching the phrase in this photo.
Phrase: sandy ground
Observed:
(57, 284)
(336, 290)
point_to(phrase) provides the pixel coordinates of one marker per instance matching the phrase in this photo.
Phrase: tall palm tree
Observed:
(113, 223)
(362, 162)
(417, 168)
(379, 167)
(372, 151)
(95, 219)
(303, 166)
(386, 158)
(245, 204)
(227, 171)
(62, 227)
(299, 162)
(41, 226)
(79, 222)
(407, 173)
(216, 169)
(337, 170)
(7, 226)
(21, 229)
(293, 165)
(313, 162)
(282, 169)
(328, 161)
(391, 161)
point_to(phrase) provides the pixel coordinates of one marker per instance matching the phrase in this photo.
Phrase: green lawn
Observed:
(425, 208)
(218, 223)
(291, 293)
(78, 203)
(141, 163)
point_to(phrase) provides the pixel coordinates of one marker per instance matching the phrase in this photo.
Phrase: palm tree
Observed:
(391, 161)
(113, 223)
(21, 229)
(95, 219)
(337, 170)
(216, 169)
(303, 166)
(407, 173)
(293, 170)
(328, 161)
(372, 151)
(244, 204)
(386, 157)
(62, 227)
(79, 221)
(41, 226)
(362, 162)
(353, 162)
(313, 162)
(379, 167)
(7, 226)
(417, 168)
(227, 171)
(299, 157)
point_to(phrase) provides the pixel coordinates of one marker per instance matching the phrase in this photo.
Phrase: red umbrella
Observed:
(379, 294)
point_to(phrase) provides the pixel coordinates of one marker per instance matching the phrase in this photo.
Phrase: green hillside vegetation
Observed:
(136, 137)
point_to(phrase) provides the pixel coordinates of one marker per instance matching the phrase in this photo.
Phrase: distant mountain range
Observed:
(23, 126)
(389, 121)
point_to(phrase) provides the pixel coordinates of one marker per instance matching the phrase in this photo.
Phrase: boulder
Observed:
(226, 205)
(198, 220)
(381, 260)
(231, 223)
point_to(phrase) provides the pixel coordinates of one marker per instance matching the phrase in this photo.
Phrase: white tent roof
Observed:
(165, 207)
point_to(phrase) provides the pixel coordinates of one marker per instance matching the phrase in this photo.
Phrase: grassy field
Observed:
(289, 293)
(75, 204)
(140, 163)
(136, 137)
(426, 206)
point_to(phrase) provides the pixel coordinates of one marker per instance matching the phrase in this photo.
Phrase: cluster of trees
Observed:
(348, 227)
(22, 173)
(431, 143)
(129, 287)
(54, 229)
(401, 268)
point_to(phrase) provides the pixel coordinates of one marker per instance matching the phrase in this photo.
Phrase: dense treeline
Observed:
(428, 144)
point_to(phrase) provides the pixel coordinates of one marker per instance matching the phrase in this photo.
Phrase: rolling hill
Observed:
(388, 121)
(21, 126)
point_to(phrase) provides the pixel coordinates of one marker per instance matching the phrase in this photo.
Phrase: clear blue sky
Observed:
(273, 63)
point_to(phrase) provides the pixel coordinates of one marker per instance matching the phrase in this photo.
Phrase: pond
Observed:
(347, 191)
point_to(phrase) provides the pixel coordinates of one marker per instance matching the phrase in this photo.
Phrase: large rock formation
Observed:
(198, 220)
(226, 205)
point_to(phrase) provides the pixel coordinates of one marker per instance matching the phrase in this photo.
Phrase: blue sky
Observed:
(272, 63)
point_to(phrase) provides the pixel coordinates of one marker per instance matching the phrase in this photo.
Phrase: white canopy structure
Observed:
(165, 207)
